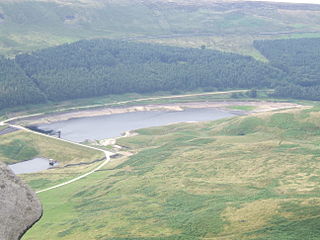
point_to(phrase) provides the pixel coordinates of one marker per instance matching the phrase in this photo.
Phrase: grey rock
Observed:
(19, 206)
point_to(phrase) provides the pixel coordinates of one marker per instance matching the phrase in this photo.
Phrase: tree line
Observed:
(99, 67)
(15, 87)
(299, 60)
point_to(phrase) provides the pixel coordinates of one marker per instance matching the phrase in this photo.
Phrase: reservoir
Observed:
(110, 126)
(31, 166)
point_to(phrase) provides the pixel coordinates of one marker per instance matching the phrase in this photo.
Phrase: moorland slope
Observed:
(252, 177)
(230, 26)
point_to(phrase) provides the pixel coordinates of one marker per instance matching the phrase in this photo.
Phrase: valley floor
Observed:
(250, 177)
(247, 177)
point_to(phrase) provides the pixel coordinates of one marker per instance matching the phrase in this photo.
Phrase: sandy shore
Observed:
(259, 107)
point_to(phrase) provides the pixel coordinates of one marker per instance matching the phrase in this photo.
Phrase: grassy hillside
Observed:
(29, 25)
(253, 177)
(20, 146)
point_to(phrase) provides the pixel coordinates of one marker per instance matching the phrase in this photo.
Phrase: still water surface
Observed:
(31, 166)
(110, 126)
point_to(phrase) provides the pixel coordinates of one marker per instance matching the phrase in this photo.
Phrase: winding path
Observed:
(4, 122)
(77, 178)
(107, 156)
(107, 153)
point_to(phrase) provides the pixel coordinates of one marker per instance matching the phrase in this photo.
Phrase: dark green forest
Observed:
(15, 87)
(299, 60)
(100, 67)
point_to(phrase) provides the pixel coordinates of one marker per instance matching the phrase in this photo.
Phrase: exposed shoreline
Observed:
(102, 111)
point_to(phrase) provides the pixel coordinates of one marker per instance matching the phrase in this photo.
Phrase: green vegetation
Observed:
(195, 181)
(18, 150)
(129, 99)
(15, 87)
(21, 146)
(30, 25)
(242, 107)
(240, 44)
(299, 59)
(253, 177)
(102, 67)
(107, 67)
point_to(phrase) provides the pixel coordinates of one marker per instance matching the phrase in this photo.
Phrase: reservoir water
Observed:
(110, 126)
(31, 166)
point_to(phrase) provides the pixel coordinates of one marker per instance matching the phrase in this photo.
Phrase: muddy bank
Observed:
(259, 107)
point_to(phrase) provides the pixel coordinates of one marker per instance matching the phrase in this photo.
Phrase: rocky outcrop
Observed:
(19, 206)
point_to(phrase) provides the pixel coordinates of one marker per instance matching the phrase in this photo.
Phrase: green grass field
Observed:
(253, 177)
(20, 146)
(242, 108)
(29, 25)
